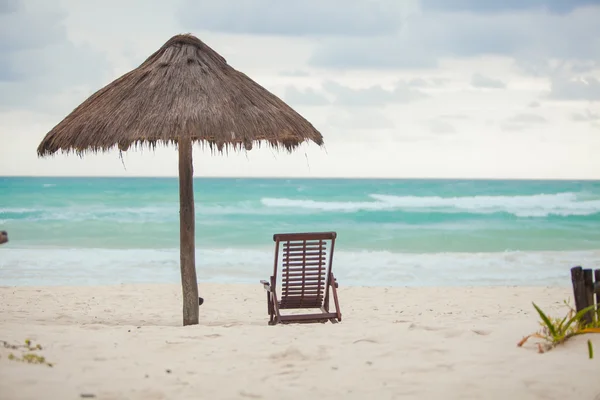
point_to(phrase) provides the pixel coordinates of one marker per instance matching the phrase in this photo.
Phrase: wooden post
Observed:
(578, 288)
(187, 226)
(588, 282)
(597, 289)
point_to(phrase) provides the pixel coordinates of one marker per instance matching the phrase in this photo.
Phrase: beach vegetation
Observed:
(555, 331)
(28, 354)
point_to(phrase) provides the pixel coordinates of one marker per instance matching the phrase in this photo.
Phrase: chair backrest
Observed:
(306, 261)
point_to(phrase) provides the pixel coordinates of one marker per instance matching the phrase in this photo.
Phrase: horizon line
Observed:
(302, 177)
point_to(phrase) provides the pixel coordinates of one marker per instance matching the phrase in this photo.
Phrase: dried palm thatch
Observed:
(185, 89)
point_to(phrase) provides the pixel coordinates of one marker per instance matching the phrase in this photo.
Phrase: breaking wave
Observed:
(539, 205)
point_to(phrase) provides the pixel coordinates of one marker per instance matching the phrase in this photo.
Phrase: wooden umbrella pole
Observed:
(187, 228)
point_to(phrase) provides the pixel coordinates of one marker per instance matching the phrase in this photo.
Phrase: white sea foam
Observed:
(17, 210)
(539, 205)
(20, 266)
(168, 212)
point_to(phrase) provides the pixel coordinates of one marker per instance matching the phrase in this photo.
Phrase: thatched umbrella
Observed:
(183, 93)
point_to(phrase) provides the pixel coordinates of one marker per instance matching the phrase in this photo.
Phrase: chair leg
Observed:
(326, 300)
(276, 316)
(270, 308)
(335, 297)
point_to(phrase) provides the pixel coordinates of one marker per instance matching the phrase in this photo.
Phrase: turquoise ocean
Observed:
(82, 231)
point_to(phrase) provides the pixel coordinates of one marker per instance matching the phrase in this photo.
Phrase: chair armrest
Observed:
(266, 285)
(334, 282)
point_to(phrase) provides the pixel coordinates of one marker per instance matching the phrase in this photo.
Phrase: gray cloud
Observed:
(423, 83)
(383, 52)
(481, 81)
(15, 17)
(587, 66)
(454, 116)
(509, 127)
(308, 17)
(528, 119)
(547, 67)
(534, 104)
(295, 73)
(371, 120)
(438, 126)
(30, 25)
(40, 60)
(307, 97)
(586, 88)
(8, 6)
(373, 95)
(586, 116)
(522, 121)
(418, 82)
(391, 34)
(481, 6)
(426, 38)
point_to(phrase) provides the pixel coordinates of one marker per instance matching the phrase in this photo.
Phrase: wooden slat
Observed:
(308, 317)
(296, 277)
(309, 274)
(295, 286)
(304, 305)
(300, 264)
(307, 279)
(312, 302)
(295, 306)
(308, 243)
(309, 256)
(298, 283)
(302, 258)
(295, 268)
(302, 249)
(301, 268)
(309, 300)
(298, 296)
(306, 284)
(303, 291)
(305, 257)
(298, 291)
(301, 272)
(282, 237)
(313, 288)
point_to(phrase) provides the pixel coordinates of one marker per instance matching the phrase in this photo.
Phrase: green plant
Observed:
(556, 331)
(28, 357)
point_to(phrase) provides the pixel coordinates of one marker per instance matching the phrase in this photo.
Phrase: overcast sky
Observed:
(429, 88)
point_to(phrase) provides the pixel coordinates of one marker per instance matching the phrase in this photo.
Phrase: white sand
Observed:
(421, 343)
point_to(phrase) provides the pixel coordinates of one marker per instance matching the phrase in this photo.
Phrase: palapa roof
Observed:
(183, 89)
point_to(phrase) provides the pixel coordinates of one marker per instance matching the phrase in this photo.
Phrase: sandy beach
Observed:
(126, 342)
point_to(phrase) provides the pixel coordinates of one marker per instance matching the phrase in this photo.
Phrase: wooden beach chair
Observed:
(305, 279)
